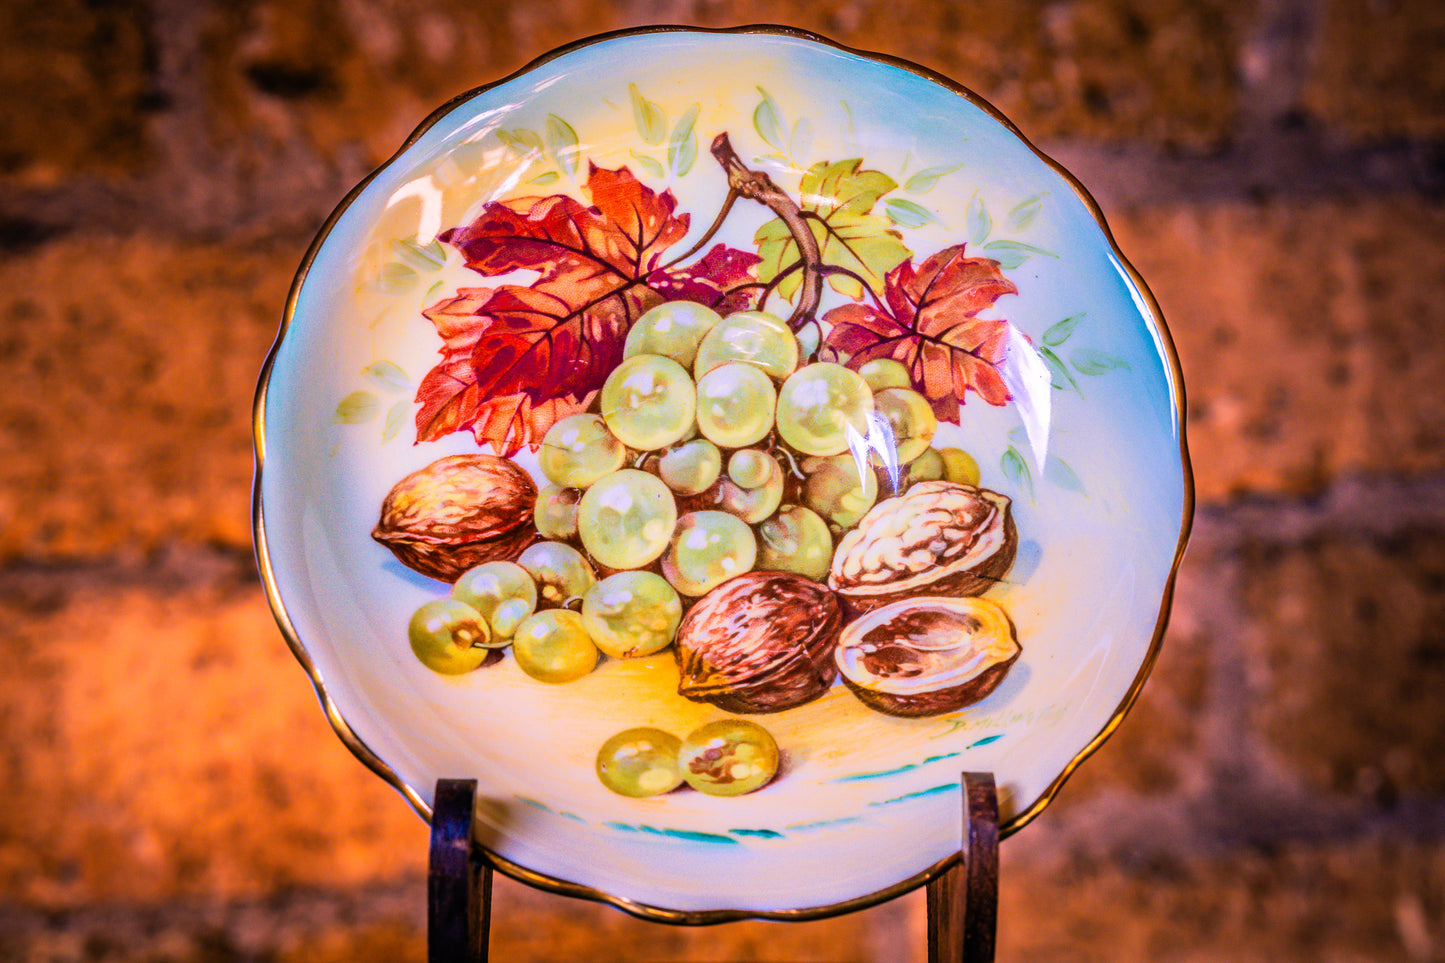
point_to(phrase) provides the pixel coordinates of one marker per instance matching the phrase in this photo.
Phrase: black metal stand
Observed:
(962, 903)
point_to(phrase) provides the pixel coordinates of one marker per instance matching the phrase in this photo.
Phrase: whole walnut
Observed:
(458, 512)
(760, 642)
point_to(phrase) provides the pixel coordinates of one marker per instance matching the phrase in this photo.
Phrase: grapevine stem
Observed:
(758, 186)
(717, 222)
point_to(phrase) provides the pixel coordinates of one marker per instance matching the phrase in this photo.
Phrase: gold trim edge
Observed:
(644, 911)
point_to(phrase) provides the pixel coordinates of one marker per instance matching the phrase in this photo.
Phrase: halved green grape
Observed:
(448, 636)
(553, 646)
(555, 512)
(631, 614)
(756, 337)
(754, 486)
(691, 467)
(503, 592)
(910, 416)
(796, 539)
(818, 405)
(640, 762)
(959, 466)
(648, 402)
(562, 575)
(707, 549)
(735, 404)
(926, 467)
(834, 489)
(729, 757)
(673, 330)
(626, 519)
(883, 373)
(578, 450)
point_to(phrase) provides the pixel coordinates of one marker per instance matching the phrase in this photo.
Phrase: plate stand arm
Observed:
(963, 902)
(459, 881)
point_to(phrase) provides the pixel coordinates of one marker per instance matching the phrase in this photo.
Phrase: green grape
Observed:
(754, 487)
(553, 646)
(959, 466)
(756, 337)
(926, 467)
(910, 416)
(708, 549)
(561, 573)
(796, 539)
(631, 614)
(835, 491)
(448, 636)
(626, 519)
(729, 757)
(735, 405)
(503, 592)
(578, 450)
(648, 402)
(640, 762)
(555, 512)
(883, 373)
(673, 330)
(819, 404)
(691, 467)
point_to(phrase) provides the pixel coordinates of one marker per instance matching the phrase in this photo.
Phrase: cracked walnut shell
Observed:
(938, 538)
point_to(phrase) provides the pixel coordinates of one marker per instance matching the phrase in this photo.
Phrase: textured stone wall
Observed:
(1274, 168)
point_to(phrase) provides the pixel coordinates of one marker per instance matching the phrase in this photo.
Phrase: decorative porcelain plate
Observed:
(714, 443)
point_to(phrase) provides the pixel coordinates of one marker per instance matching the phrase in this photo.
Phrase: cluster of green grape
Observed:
(729, 757)
(717, 448)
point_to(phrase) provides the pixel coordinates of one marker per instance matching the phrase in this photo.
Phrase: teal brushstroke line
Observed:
(946, 787)
(532, 802)
(884, 773)
(687, 834)
(572, 816)
(986, 740)
(798, 827)
(946, 755)
(762, 833)
(622, 826)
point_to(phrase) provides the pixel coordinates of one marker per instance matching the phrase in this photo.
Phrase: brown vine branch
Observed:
(758, 186)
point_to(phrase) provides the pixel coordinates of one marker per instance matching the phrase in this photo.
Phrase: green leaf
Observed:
(544, 178)
(800, 141)
(562, 143)
(651, 121)
(357, 408)
(905, 213)
(765, 120)
(395, 418)
(1008, 260)
(979, 223)
(1091, 361)
(431, 293)
(1059, 332)
(1059, 472)
(1016, 470)
(925, 180)
(423, 257)
(1022, 217)
(651, 163)
(682, 147)
(386, 376)
(394, 278)
(1062, 379)
(1017, 246)
(840, 196)
(528, 139)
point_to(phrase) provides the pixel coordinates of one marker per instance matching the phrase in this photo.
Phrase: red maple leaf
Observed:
(931, 325)
(516, 358)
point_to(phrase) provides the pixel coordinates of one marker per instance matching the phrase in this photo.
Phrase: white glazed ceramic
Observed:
(1086, 440)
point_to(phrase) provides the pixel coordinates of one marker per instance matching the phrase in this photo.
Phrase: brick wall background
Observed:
(1274, 168)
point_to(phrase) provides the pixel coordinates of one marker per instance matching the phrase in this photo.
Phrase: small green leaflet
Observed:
(545, 178)
(1061, 377)
(925, 180)
(562, 144)
(357, 408)
(650, 118)
(1059, 472)
(765, 120)
(682, 146)
(653, 167)
(1091, 361)
(387, 376)
(521, 140)
(1022, 217)
(1016, 470)
(424, 257)
(1058, 332)
(905, 213)
(394, 278)
(1010, 254)
(396, 417)
(979, 223)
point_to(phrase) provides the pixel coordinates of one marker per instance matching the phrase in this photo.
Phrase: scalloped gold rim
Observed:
(562, 887)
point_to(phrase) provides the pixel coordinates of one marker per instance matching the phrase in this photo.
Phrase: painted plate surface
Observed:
(482, 286)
